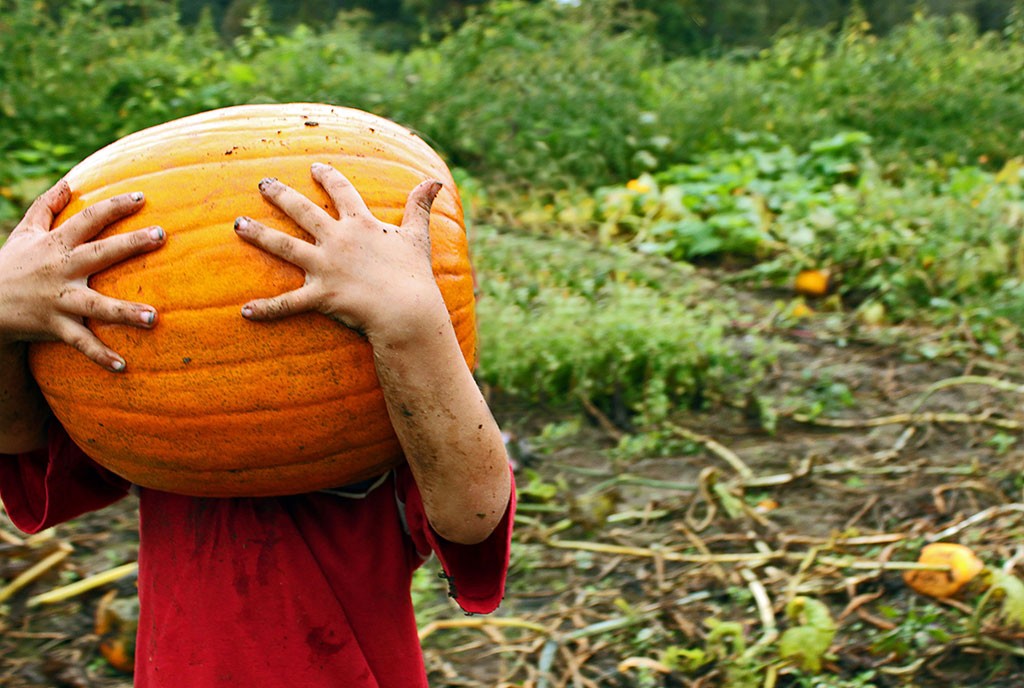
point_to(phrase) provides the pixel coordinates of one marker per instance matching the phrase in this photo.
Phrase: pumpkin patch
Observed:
(211, 404)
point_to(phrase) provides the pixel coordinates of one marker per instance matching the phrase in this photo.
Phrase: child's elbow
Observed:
(474, 525)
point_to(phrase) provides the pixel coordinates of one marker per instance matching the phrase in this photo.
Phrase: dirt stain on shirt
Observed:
(319, 640)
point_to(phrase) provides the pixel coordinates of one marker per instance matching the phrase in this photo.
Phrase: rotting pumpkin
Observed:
(212, 404)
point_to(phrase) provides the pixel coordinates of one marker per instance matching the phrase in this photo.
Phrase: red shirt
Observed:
(301, 591)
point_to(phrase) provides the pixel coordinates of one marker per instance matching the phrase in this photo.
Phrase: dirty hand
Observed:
(372, 276)
(44, 274)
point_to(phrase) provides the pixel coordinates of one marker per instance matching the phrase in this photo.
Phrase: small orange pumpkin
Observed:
(964, 565)
(211, 404)
(116, 623)
(812, 282)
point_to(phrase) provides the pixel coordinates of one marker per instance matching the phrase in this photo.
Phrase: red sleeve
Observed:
(48, 486)
(475, 573)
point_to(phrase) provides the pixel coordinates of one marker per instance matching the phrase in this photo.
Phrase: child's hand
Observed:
(378, 278)
(374, 277)
(44, 274)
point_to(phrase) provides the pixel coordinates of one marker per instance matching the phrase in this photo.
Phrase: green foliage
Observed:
(730, 202)
(533, 488)
(557, 324)
(700, 26)
(681, 26)
(1010, 590)
(919, 92)
(82, 79)
(334, 66)
(726, 644)
(72, 82)
(942, 243)
(914, 631)
(540, 94)
(809, 640)
(543, 95)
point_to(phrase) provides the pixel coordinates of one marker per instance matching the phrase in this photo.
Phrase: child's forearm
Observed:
(24, 414)
(452, 442)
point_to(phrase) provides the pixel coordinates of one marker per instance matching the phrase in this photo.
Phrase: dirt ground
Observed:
(617, 563)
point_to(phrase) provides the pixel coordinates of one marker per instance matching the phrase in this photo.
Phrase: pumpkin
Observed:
(812, 282)
(211, 404)
(964, 565)
(116, 624)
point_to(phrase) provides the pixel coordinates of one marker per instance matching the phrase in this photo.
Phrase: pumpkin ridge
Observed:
(110, 403)
(441, 272)
(265, 162)
(194, 455)
(174, 463)
(306, 460)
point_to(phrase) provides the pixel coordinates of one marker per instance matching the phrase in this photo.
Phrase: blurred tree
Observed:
(696, 26)
(439, 17)
(681, 26)
(191, 10)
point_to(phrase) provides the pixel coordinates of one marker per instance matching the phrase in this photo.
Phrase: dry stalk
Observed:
(36, 570)
(698, 544)
(840, 468)
(989, 513)
(994, 644)
(643, 663)
(868, 505)
(764, 607)
(606, 424)
(938, 493)
(857, 601)
(749, 558)
(994, 382)
(911, 419)
(629, 479)
(10, 538)
(716, 448)
(85, 585)
(837, 541)
(556, 642)
(482, 623)
(38, 538)
(806, 562)
(703, 496)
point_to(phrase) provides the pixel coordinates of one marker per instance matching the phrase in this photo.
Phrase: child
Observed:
(305, 590)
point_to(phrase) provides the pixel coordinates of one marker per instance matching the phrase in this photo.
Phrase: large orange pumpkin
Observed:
(212, 404)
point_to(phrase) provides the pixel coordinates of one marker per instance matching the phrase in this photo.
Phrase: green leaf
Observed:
(808, 642)
(841, 142)
(242, 74)
(684, 659)
(722, 632)
(1012, 590)
(732, 504)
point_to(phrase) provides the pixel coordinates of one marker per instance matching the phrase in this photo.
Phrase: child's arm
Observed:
(377, 279)
(44, 295)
